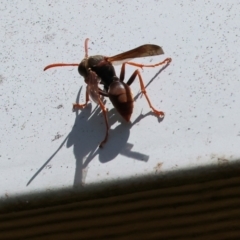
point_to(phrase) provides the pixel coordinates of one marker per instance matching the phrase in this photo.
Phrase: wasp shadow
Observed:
(118, 139)
(87, 132)
(86, 146)
(82, 144)
(86, 135)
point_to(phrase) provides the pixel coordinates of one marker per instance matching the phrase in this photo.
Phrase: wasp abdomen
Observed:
(121, 98)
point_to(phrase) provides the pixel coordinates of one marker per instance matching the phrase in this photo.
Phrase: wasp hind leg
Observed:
(143, 89)
(167, 61)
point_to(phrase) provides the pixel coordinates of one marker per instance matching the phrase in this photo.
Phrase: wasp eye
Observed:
(82, 69)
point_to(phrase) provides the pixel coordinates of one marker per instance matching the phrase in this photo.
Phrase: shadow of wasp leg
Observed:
(80, 106)
(143, 90)
(104, 110)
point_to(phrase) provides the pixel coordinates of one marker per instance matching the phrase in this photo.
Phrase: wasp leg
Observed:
(80, 106)
(167, 61)
(60, 65)
(122, 74)
(143, 90)
(103, 93)
(86, 47)
(104, 110)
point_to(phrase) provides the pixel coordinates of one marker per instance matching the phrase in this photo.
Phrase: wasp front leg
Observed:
(77, 106)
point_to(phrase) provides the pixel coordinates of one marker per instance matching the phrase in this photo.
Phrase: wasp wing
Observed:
(142, 51)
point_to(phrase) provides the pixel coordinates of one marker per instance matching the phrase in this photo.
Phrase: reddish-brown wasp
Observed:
(99, 69)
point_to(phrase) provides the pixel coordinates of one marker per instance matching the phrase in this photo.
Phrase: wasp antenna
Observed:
(86, 47)
(60, 65)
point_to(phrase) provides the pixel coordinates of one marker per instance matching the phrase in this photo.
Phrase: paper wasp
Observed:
(99, 69)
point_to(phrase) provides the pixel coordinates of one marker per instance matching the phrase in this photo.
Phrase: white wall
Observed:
(199, 92)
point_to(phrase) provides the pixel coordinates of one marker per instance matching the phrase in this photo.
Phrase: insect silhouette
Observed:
(99, 69)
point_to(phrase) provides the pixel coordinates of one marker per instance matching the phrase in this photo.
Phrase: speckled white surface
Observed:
(45, 145)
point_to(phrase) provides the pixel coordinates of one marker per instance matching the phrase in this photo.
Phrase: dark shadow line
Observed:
(163, 68)
(77, 101)
(44, 165)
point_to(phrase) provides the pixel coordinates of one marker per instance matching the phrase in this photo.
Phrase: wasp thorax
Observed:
(82, 68)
